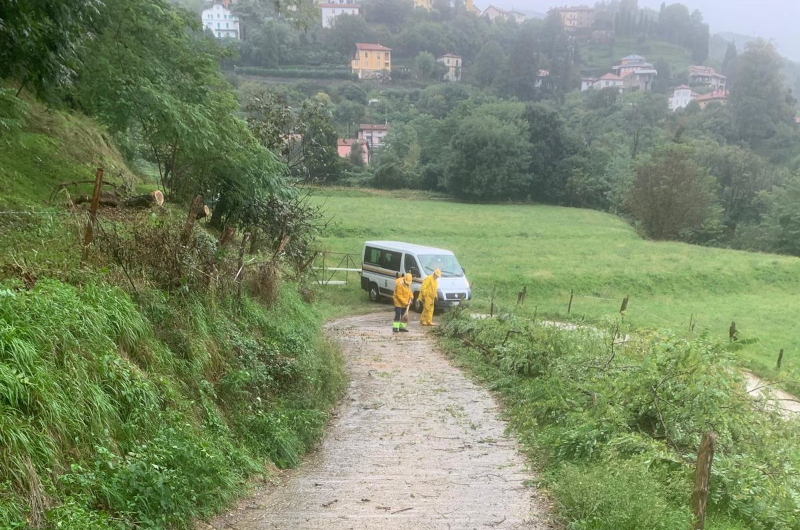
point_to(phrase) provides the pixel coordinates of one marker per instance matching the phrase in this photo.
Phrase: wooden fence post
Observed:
(491, 309)
(702, 477)
(521, 296)
(240, 266)
(624, 306)
(569, 307)
(691, 323)
(89, 236)
(188, 226)
(733, 333)
(780, 360)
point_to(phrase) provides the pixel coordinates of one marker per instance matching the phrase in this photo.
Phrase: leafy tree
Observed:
(779, 230)
(39, 41)
(393, 13)
(759, 99)
(346, 31)
(165, 87)
(729, 64)
(426, 66)
(318, 142)
(671, 194)
(356, 156)
(522, 70)
(488, 160)
(741, 176)
(488, 64)
(349, 113)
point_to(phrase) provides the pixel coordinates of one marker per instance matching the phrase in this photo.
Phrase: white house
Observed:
(681, 98)
(332, 10)
(453, 65)
(221, 21)
(607, 81)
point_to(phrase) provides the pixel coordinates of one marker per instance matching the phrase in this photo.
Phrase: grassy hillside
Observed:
(603, 57)
(127, 401)
(55, 147)
(554, 250)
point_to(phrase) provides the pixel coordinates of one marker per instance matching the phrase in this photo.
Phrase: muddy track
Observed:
(415, 445)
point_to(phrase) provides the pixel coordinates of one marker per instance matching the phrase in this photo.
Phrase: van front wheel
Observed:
(374, 293)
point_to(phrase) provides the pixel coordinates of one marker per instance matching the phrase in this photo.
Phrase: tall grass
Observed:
(115, 414)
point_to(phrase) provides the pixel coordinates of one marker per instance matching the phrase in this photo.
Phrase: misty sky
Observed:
(772, 19)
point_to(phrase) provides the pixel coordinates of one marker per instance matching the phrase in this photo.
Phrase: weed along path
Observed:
(415, 446)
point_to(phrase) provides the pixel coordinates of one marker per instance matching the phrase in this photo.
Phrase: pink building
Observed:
(345, 146)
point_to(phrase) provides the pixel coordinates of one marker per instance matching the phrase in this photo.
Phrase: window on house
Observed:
(217, 25)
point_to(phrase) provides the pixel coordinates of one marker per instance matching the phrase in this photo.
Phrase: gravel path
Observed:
(415, 445)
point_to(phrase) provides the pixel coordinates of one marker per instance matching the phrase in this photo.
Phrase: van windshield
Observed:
(447, 264)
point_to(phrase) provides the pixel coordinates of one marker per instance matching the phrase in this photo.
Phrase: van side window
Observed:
(386, 259)
(372, 256)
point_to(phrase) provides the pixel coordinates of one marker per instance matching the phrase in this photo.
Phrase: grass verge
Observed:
(615, 428)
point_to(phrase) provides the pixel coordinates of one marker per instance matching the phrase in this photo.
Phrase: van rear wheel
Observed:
(374, 293)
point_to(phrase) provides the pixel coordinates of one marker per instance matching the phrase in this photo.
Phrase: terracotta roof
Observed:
(374, 127)
(348, 141)
(611, 77)
(361, 46)
(450, 55)
(717, 94)
(683, 87)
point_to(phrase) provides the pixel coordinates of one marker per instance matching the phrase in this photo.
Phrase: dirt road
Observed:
(416, 445)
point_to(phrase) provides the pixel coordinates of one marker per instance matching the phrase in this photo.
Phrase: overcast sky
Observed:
(772, 19)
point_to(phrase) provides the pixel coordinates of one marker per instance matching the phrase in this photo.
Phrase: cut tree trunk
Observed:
(107, 198)
(154, 198)
(203, 212)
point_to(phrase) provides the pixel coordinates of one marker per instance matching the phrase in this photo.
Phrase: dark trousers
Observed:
(398, 313)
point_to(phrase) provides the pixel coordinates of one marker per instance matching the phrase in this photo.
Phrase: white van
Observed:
(383, 261)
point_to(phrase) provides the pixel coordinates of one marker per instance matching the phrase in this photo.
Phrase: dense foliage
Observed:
(616, 423)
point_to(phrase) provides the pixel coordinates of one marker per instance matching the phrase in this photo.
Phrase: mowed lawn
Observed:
(554, 250)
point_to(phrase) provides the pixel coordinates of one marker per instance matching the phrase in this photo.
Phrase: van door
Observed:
(410, 265)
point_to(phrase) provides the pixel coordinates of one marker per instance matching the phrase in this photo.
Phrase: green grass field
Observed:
(600, 56)
(554, 250)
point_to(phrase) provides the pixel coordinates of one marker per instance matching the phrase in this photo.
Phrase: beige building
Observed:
(575, 18)
(453, 64)
(372, 61)
(493, 13)
(423, 4)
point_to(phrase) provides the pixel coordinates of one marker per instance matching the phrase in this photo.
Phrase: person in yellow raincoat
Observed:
(402, 301)
(428, 293)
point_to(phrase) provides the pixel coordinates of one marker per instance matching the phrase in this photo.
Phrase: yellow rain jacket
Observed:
(430, 286)
(402, 293)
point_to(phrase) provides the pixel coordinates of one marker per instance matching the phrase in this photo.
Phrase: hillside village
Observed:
(372, 61)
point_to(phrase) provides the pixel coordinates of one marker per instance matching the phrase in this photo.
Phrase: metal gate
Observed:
(336, 268)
